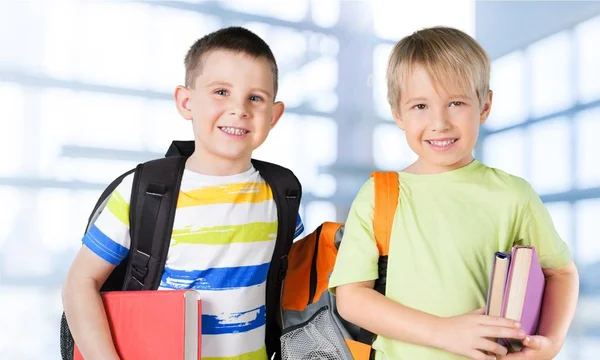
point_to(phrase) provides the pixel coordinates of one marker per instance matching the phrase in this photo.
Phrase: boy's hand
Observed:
(536, 347)
(469, 335)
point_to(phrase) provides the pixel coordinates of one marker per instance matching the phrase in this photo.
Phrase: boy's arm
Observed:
(105, 245)
(467, 335)
(83, 305)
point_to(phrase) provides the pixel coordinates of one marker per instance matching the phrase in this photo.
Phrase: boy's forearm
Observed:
(388, 318)
(87, 321)
(558, 307)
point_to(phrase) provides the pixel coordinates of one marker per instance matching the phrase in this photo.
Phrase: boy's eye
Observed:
(420, 107)
(456, 103)
(255, 98)
(222, 92)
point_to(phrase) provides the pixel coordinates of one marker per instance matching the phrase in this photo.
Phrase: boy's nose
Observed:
(441, 123)
(239, 110)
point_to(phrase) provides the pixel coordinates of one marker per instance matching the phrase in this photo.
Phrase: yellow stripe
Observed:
(254, 355)
(119, 207)
(226, 194)
(227, 234)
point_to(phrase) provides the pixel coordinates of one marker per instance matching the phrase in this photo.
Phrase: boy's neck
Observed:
(211, 165)
(422, 167)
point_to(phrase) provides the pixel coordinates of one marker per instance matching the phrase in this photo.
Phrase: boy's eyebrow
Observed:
(454, 96)
(222, 83)
(415, 99)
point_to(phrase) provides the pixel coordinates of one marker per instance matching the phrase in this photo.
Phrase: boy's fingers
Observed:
(479, 311)
(503, 332)
(500, 321)
(492, 347)
(532, 342)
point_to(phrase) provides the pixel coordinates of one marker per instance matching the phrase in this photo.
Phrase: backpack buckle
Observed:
(139, 265)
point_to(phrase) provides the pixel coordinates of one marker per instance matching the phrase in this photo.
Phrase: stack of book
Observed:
(516, 290)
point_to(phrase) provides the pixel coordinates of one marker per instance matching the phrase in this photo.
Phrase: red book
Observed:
(162, 324)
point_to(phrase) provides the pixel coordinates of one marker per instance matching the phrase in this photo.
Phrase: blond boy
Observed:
(454, 212)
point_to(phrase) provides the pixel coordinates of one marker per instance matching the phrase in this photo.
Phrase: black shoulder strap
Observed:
(287, 193)
(152, 212)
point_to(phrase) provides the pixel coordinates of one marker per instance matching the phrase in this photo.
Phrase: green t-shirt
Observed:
(445, 232)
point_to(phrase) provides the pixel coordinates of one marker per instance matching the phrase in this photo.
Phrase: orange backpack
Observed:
(312, 327)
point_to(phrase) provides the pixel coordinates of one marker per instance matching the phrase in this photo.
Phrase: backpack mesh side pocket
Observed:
(316, 339)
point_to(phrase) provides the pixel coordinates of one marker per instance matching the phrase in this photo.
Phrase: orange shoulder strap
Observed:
(387, 192)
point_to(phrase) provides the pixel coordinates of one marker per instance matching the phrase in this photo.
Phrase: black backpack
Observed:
(152, 212)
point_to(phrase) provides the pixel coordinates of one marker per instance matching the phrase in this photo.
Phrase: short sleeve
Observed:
(108, 237)
(358, 256)
(537, 229)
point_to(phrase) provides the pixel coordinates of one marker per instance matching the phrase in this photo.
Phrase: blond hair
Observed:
(453, 60)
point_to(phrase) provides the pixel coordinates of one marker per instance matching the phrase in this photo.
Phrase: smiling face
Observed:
(231, 107)
(441, 123)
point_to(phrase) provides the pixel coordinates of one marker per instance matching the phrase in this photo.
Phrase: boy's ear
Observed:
(397, 118)
(487, 107)
(278, 108)
(182, 101)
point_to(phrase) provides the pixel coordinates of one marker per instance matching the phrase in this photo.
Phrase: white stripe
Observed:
(114, 228)
(214, 302)
(233, 344)
(202, 256)
(225, 214)
(193, 181)
(124, 188)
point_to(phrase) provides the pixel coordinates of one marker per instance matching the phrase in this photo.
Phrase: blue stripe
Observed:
(299, 227)
(250, 320)
(104, 246)
(215, 278)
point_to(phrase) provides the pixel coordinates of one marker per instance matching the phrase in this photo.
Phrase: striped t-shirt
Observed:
(222, 243)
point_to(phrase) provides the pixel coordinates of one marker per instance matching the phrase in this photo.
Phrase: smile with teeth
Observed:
(233, 131)
(441, 143)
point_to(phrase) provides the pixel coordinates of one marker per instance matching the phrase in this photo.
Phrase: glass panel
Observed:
(508, 84)
(588, 246)
(588, 148)
(12, 104)
(104, 120)
(381, 55)
(116, 54)
(307, 64)
(561, 216)
(390, 149)
(97, 171)
(19, 35)
(395, 19)
(325, 13)
(10, 207)
(164, 124)
(318, 212)
(587, 36)
(172, 34)
(63, 215)
(507, 151)
(287, 145)
(551, 156)
(285, 10)
(59, 37)
(551, 93)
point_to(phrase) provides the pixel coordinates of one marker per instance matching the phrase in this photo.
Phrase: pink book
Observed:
(524, 292)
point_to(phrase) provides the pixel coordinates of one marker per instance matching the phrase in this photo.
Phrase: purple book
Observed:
(524, 292)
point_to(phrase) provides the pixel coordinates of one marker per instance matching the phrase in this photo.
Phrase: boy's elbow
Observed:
(343, 301)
